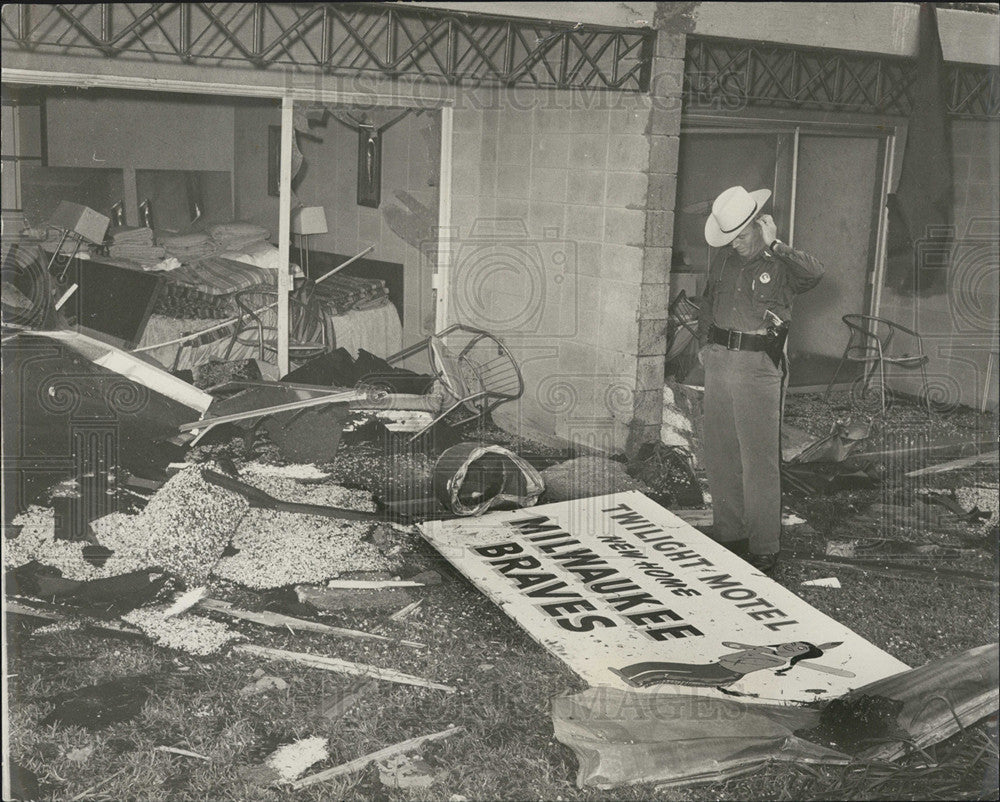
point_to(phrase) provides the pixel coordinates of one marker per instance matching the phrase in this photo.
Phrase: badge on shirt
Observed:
(764, 278)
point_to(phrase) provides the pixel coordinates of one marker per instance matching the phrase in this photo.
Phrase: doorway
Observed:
(828, 189)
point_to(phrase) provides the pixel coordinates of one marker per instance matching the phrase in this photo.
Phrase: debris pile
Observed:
(36, 541)
(856, 721)
(984, 498)
(188, 633)
(282, 548)
(586, 477)
(184, 530)
(187, 525)
(294, 485)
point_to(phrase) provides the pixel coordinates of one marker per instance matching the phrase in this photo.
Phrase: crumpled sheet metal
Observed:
(622, 737)
(520, 484)
(843, 440)
(940, 698)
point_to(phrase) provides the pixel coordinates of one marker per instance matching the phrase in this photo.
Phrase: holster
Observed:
(776, 336)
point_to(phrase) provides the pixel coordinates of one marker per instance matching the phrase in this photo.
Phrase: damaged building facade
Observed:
(547, 182)
(327, 327)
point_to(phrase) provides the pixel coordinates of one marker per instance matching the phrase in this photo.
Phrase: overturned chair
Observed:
(310, 332)
(473, 371)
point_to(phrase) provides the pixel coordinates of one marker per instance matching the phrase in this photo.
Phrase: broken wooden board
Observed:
(955, 464)
(336, 599)
(629, 595)
(279, 621)
(341, 666)
(360, 762)
(699, 518)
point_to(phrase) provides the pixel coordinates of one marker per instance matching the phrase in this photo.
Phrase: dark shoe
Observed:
(741, 547)
(765, 563)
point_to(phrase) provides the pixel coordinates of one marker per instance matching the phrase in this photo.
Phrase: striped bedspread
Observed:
(377, 330)
(206, 289)
(216, 276)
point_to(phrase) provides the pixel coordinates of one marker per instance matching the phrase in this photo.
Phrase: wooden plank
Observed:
(20, 609)
(51, 615)
(360, 762)
(915, 572)
(372, 584)
(441, 280)
(259, 85)
(280, 621)
(342, 265)
(955, 464)
(183, 752)
(399, 615)
(342, 666)
(284, 230)
(695, 517)
(341, 397)
(928, 450)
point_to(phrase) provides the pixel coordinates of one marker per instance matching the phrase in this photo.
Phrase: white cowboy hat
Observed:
(733, 211)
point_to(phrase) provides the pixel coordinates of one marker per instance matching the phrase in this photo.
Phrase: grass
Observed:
(505, 683)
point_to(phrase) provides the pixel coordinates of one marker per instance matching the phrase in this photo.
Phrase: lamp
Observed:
(306, 221)
(80, 221)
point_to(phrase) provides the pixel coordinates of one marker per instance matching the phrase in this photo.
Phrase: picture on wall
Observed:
(369, 167)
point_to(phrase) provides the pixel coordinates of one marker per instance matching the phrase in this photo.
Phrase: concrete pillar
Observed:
(663, 133)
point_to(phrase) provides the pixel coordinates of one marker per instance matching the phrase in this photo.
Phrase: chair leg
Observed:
(881, 372)
(836, 373)
(926, 391)
(869, 373)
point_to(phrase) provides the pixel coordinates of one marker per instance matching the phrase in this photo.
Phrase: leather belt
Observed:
(739, 340)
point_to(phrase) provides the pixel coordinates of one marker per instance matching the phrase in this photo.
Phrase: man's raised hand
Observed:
(768, 228)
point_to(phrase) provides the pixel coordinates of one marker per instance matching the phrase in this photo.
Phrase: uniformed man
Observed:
(743, 323)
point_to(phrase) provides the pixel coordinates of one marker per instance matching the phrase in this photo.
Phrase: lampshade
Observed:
(309, 220)
(83, 220)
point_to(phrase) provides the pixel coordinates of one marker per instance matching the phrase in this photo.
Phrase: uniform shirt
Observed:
(739, 292)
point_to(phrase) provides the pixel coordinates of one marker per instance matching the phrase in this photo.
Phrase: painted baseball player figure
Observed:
(729, 667)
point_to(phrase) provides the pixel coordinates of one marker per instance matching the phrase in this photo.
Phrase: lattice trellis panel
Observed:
(342, 38)
(730, 74)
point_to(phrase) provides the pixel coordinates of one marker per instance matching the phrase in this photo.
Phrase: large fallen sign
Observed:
(630, 596)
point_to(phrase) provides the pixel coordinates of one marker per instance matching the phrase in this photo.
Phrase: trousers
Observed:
(742, 424)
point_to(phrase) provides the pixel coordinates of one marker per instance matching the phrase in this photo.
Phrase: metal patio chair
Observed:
(475, 370)
(310, 333)
(871, 341)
